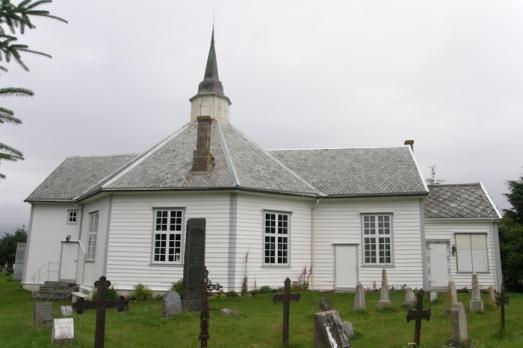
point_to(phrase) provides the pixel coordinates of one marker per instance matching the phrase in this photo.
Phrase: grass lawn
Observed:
(256, 324)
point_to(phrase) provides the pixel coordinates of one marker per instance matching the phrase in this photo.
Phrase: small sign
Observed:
(63, 330)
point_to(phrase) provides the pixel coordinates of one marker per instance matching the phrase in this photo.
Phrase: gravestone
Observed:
(384, 301)
(325, 304)
(433, 296)
(172, 304)
(227, 312)
(66, 311)
(475, 303)
(19, 261)
(459, 331)
(410, 298)
(63, 331)
(359, 299)
(286, 298)
(329, 331)
(194, 264)
(347, 327)
(452, 294)
(492, 296)
(43, 314)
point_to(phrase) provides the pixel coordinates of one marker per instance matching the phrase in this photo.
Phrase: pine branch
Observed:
(10, 153)
(7, 118)
(15, 91)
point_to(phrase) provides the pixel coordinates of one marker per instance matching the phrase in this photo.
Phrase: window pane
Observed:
(464, 260)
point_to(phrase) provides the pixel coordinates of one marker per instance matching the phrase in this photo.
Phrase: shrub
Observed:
(178, 286)
(141, 293)
(231, 294)
(245, 289)
(109, 295)
(265, 290)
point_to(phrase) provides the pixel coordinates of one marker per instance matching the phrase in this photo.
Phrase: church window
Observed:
(377, 239)
(168, 229)
(471, 252)
(91, 236)
(72, 216)
(276, 238)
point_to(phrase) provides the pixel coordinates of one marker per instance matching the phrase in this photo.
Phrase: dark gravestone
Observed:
(325, 304)
(329, 331)
(194, 264)
(43, 314)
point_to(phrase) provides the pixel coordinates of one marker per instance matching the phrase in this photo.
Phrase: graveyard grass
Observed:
(257, 323)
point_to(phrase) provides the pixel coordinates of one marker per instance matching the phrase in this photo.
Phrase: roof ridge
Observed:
(464, 184)
(103, 156)
(276, 160)
(228, 157)
(146, 154)
(342, 148)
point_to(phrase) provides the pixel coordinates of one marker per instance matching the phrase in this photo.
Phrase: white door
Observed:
(438, 255)
(346, 266)
(68, 261)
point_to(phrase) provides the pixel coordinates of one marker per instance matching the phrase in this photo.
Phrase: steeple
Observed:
(210, 99)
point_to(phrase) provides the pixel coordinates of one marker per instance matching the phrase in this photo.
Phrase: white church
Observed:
(344, 215)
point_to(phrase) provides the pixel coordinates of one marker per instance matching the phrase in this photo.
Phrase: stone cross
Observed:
(452, 294)
(418, 314)
(475, 303)
(502, 299)
(384, 301)
(121, 304)
(286, 298)
(410, 298)
(204, 314)
(359, 299)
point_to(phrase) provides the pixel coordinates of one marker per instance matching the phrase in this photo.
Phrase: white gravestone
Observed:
(475, 303)
(433, 296)
(384, 301)
(66, 311)
(410, 298)
(359, 299)
(63, 330)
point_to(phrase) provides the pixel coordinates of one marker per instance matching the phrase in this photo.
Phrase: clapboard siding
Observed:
(339, 221)
(250, 208)
(130, 237)
(445, 230)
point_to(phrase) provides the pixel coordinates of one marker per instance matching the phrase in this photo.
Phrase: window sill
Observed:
(90, 261)
(275, 266)
(157, 264)
(461, 272)
(377, 266)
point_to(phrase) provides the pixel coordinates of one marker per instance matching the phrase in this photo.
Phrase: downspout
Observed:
(80, 244)
(494, 228)
(313, 228)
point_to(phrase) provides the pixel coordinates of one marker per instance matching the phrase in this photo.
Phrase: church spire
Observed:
(211, 83)
(210, 99)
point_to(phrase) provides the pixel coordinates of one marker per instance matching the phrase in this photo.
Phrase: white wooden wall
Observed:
(250, 228)
(48, 228)
(94, 270)
(130, 237)
(445, 230)
(339, 221)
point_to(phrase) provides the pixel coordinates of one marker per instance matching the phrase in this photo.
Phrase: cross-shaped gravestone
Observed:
(502, 299)
(418, 314)
(204, 314)
(286, 298)
(121, 304)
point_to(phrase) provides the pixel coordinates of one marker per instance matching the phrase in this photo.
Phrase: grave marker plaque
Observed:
(194, 264)
(43, 314)
(63, 330)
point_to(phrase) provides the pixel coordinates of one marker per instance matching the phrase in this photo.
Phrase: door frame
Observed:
(68, 242)
(437, 241)
(356, 245)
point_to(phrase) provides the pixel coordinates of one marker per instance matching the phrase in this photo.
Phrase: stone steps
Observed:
(56, 290)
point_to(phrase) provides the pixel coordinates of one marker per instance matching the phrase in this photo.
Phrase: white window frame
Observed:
(282, 250)
(168, 235)
(70, 213)
(92, 231)
(371, 235)
(459, 250)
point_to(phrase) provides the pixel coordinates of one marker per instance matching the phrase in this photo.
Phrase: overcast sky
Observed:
(300, 74)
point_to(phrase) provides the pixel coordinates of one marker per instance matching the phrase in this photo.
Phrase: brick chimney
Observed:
(410, 142)
(203, 160)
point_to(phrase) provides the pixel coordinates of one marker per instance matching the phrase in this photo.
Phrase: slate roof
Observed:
(238, 164)
(76, 175)
(356, 171)
(459, 201)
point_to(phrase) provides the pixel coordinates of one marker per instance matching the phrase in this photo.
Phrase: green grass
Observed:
(257, 323)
